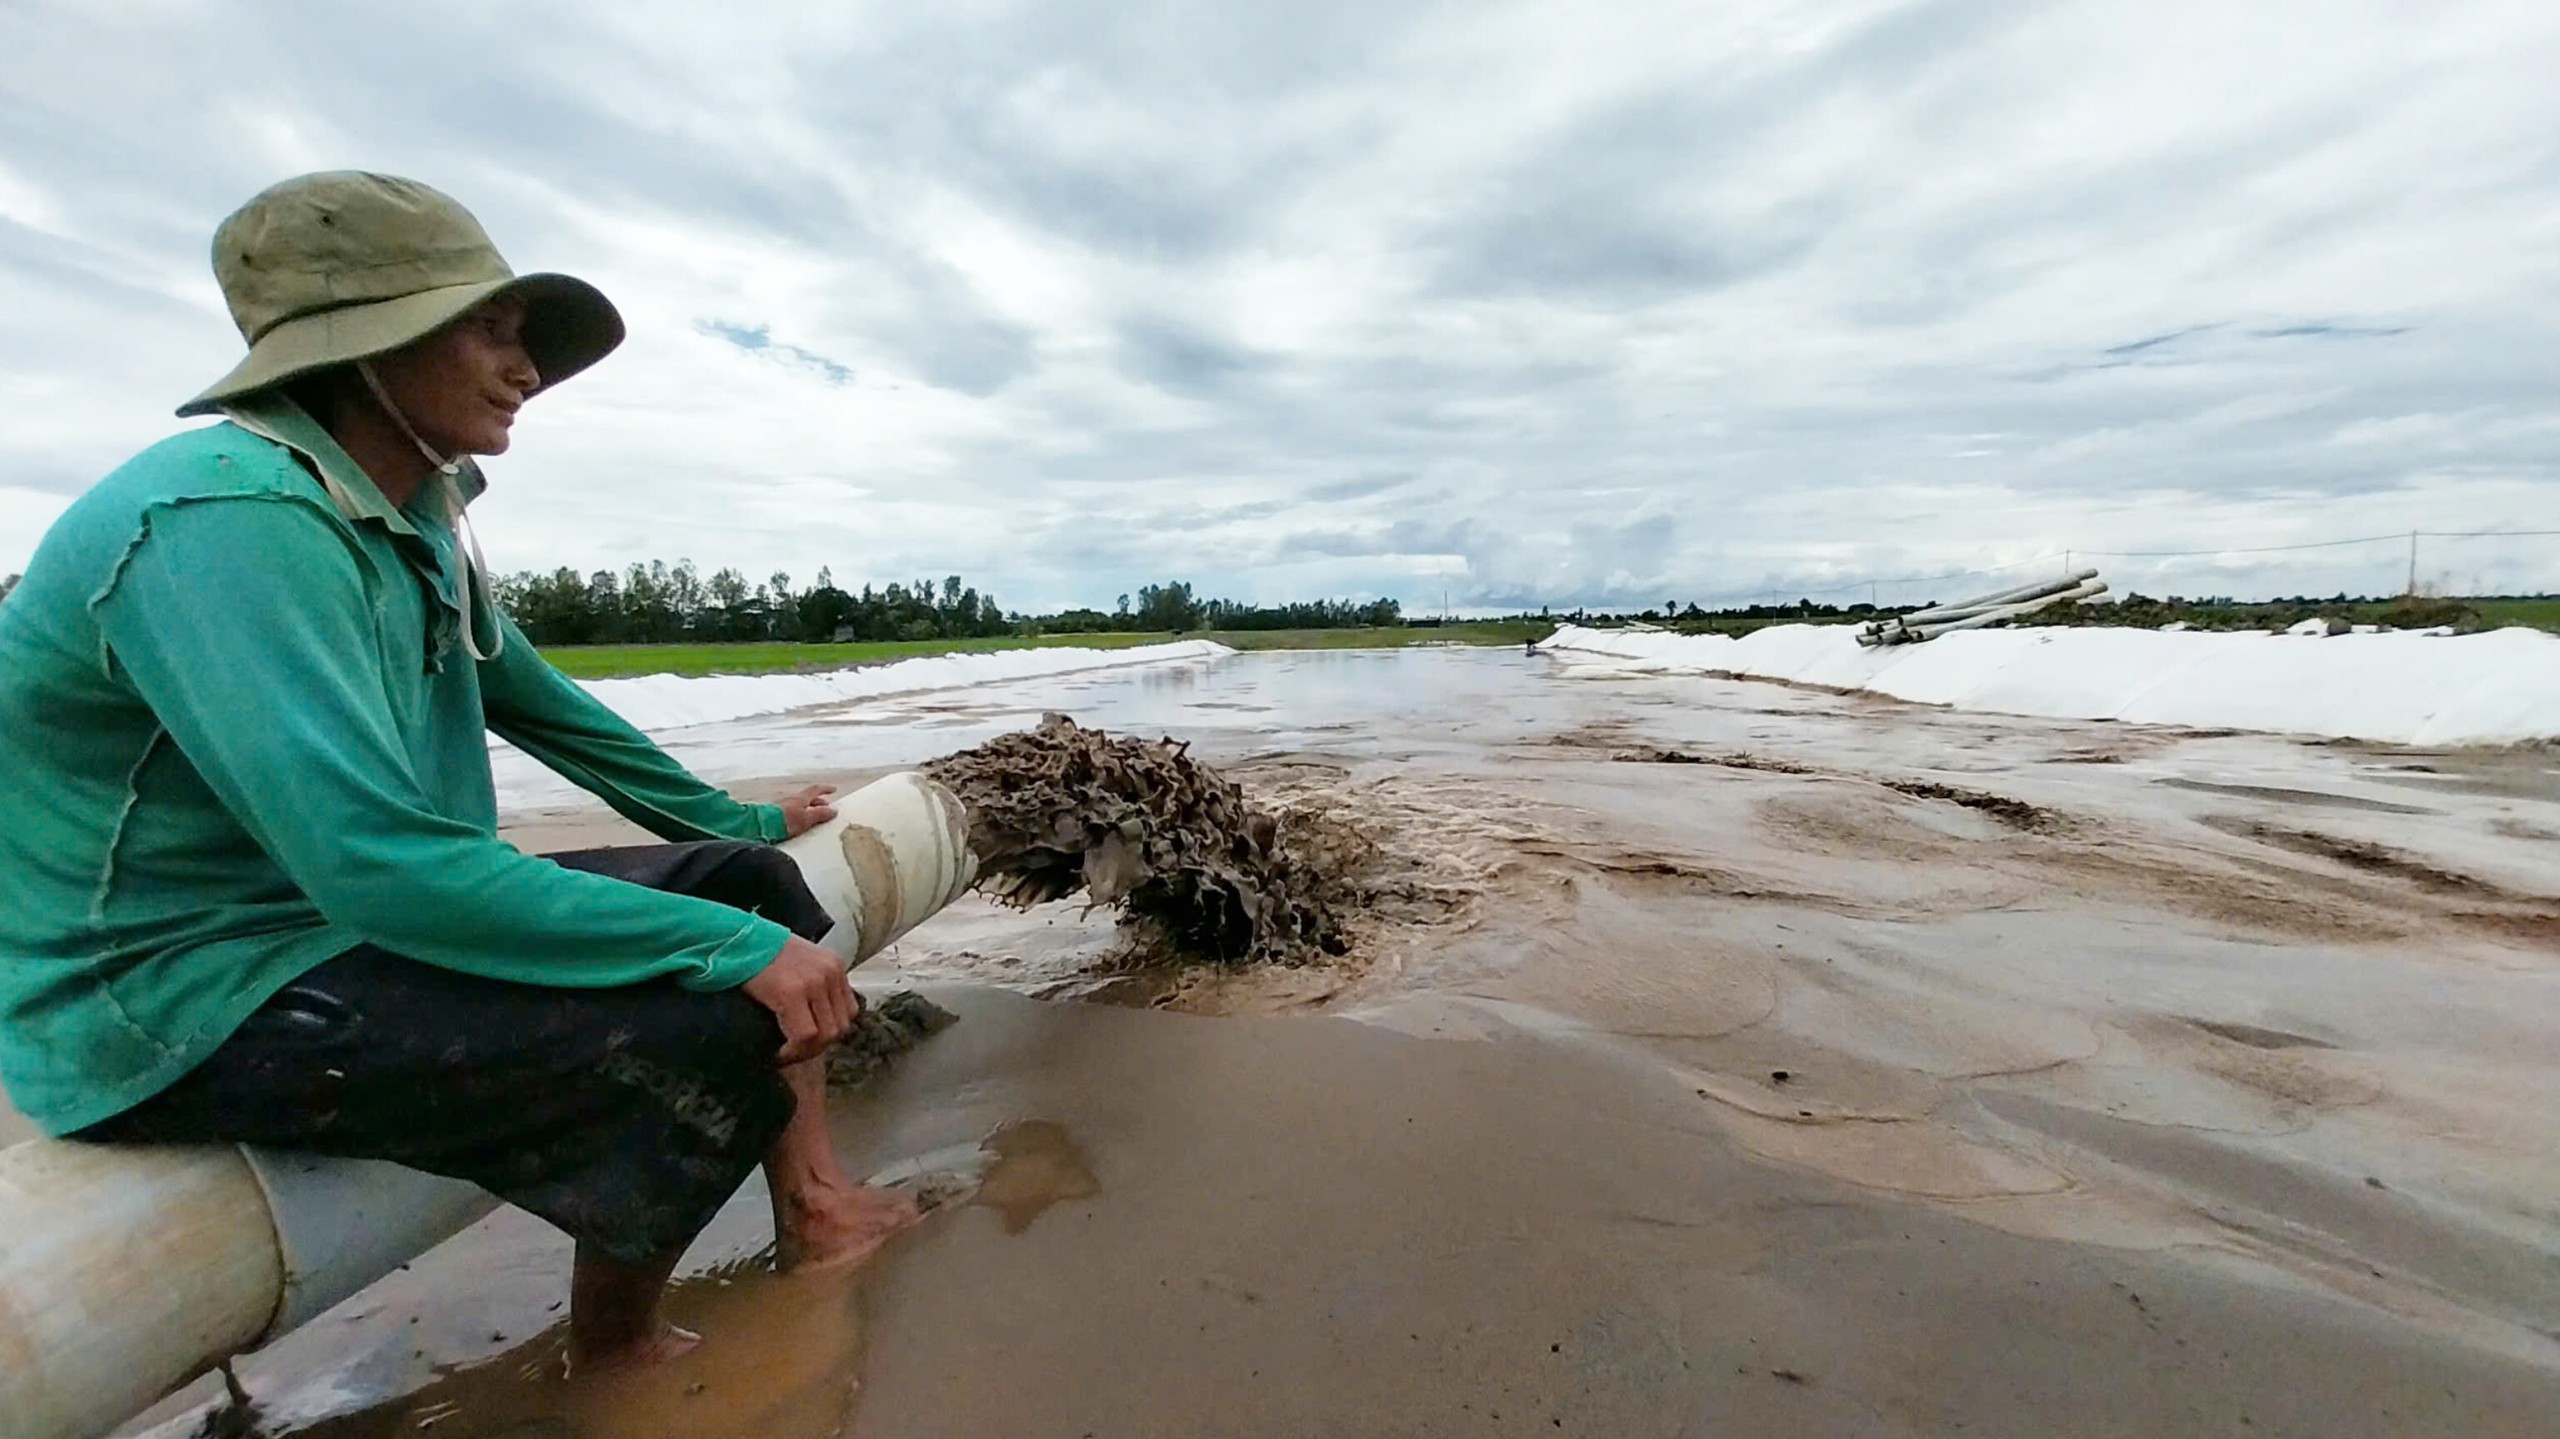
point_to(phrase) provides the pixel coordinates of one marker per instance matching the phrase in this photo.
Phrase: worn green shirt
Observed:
(240, 733)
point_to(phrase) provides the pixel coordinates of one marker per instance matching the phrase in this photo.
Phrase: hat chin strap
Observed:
(475, 567)
(447, 467)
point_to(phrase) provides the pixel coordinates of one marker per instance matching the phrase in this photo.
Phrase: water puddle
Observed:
(781, 1355)
(780, 1358)
(1036, 1167)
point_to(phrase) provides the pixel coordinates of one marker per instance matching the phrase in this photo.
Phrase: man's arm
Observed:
(245, 625)
(547, 715)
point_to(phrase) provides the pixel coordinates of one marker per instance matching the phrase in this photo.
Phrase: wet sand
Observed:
(1728, 1059)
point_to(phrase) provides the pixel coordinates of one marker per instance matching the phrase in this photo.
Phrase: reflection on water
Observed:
(1303, 699)
(1036, 1166)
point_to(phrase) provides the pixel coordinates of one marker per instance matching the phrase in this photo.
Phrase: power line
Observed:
(2238, 550)
(2394, 537)
(1730, 597)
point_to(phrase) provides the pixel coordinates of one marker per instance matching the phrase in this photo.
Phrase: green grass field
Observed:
(2543, 613)
(2463, 614)
(597, 662)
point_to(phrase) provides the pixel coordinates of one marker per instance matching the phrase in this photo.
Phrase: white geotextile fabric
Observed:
(665, 702)
(2404, 687)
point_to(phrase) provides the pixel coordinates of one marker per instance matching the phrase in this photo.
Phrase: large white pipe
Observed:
(126, 1271)
(897, 851)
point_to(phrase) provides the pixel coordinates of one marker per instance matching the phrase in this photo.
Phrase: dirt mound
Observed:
(2258, 1036)
(1656, 754)
(2359, 854)
(883, 1032)
(1197, 870)
(2015, 813)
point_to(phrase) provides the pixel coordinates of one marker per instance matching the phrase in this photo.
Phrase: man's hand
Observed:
(807, 809)
(806, 989)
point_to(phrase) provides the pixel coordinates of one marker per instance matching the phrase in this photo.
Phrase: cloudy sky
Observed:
(1520, 303)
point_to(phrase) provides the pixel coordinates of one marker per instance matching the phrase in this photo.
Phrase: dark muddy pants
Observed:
(626, 1116)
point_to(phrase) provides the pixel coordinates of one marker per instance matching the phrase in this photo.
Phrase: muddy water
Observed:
(2134, 986)
(1706, 1028)
(1195, 868)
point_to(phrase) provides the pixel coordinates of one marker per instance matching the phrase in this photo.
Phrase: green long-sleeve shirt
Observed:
(240, 733)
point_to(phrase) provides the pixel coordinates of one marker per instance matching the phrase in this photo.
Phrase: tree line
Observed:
(658, 603)
(1175, 608)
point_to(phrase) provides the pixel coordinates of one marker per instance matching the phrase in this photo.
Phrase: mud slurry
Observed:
(1198, 871)
(2017, 814)
(881, 1033)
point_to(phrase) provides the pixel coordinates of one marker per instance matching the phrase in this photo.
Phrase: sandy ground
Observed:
(1725, 1058)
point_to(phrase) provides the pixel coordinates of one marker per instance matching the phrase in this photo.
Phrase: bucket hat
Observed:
(345, 265)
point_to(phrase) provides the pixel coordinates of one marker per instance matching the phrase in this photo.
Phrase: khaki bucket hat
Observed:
(344, 265)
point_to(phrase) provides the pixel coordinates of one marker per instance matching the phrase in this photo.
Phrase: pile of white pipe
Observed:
(1982, 610)
(126, 1271)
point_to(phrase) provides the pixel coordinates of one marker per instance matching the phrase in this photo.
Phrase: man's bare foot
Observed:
(838, 1226)
(667, 1343)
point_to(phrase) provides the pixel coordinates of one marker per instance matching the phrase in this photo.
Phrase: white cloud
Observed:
(1530, 301)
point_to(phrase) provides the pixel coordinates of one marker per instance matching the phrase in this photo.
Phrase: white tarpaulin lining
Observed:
(664, 702)
(2397, 687)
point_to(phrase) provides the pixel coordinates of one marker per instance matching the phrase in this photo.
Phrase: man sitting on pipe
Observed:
(249, 834)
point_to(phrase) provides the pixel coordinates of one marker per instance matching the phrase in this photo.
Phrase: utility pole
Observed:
(2413, 564)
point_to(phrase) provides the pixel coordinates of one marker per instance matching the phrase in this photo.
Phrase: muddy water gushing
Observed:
(1198, 871)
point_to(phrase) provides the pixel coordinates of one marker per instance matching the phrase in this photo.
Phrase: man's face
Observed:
(461, 386)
